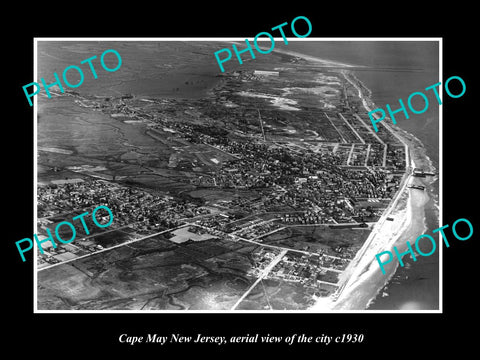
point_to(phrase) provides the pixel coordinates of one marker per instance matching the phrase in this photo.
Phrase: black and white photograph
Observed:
(229, 181)
(261, 187)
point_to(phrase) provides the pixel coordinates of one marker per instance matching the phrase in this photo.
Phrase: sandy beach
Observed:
(313, 59)
(362, 280)
(322, 62)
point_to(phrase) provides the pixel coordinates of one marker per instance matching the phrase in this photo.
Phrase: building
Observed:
(265, 73)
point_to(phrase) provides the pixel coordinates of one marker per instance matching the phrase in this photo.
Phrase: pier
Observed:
(421, 173)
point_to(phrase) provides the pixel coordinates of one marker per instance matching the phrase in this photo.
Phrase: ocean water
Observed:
(393, 70)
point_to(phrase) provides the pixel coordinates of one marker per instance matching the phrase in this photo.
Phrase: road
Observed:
(107, 249)
(253, 241)
(338, 131)
(264, 273)
(354, 275)
(352, 128)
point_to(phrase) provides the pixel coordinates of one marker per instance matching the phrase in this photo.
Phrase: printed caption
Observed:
(245, 339)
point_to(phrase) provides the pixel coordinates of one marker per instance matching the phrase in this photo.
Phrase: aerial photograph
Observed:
(261, 188)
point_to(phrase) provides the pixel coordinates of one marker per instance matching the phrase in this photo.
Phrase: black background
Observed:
(385, 334)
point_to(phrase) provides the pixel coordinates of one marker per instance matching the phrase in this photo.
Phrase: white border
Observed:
(221, 39)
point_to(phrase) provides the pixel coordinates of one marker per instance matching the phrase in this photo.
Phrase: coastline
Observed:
(314, 59)
(363, 280)
(323, 62)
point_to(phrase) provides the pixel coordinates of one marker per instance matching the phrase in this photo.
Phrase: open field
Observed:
(151, 274)
(337, 242)
(277, 295)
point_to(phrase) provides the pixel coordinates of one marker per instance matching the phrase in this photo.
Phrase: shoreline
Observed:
(323, 62)
(362, 280)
